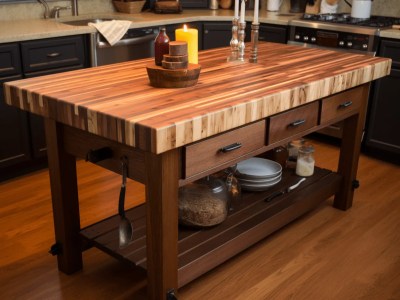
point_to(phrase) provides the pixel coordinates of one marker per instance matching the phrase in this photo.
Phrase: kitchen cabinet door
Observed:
(219, 34)
(383, 138)
(384, 116)
(273, 33)
(14, 135)
(216, 34)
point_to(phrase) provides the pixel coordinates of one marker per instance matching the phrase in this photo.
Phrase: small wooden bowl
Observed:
(173, 78)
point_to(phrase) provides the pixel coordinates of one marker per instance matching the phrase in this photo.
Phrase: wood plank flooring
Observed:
(327, 254)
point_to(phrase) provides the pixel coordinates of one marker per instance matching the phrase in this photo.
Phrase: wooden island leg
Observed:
(64, 194)
(162, 174)
(349, 153)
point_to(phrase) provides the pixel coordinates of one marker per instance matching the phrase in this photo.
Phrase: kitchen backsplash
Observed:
(35, 10)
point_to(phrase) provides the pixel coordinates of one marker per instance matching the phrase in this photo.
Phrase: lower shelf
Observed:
(251, 220)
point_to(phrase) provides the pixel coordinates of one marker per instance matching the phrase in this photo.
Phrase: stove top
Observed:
(343, 18)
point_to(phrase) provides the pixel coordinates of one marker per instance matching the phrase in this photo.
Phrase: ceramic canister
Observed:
(274, 5)
(361, 9)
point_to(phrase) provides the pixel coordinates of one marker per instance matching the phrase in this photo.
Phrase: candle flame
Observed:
(185, 28)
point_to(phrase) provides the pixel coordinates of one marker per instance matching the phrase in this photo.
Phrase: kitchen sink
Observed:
(85, 21)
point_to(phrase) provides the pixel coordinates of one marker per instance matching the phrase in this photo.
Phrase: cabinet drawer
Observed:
(289, 123)
(341, 105)
(207, 154)
(9, 60)
(52, 53)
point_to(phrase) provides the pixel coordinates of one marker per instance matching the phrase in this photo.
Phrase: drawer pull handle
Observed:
(54, 54)
(297, 123)
(345, 104)
(231, 147)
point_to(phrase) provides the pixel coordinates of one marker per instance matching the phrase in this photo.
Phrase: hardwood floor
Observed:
(326, 254)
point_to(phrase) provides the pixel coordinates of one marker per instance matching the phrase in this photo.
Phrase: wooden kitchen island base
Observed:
(250, 220)
(172, 137)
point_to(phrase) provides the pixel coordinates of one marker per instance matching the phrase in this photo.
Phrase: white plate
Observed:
(258, 168)
(259, 187)
(258, 181)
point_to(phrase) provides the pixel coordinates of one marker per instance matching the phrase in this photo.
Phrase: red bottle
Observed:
(161, 46)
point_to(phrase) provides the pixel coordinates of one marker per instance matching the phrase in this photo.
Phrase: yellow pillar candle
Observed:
(189, 35)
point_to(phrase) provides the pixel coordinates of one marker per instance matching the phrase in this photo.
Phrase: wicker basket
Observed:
(132, 7)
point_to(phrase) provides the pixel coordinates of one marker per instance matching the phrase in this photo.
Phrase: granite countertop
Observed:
(391, 33)
(22, 30)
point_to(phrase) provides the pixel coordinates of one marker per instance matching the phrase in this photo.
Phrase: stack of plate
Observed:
(258, 174)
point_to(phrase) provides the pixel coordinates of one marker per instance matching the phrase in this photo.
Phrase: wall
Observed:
(379, 7)
(35, 10)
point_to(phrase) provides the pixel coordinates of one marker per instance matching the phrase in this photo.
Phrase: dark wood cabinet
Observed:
(22, 137)
(14, 134)
(219, 34)
(10, 63)
(194, 3)
(383, 124)
(273, 33)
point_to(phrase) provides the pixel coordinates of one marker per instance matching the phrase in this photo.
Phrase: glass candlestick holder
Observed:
(241, 36)
(234, 41)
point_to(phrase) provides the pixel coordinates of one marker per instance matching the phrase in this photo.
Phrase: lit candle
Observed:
(242, 11)
(255, 20)
(236, 9)
(189, 35)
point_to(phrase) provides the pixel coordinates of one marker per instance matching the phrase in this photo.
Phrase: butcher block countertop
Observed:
(117, 102)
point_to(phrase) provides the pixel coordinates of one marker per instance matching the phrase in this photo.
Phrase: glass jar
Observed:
(293, 148)
(203, 203)
(305, 161)
(161, 46)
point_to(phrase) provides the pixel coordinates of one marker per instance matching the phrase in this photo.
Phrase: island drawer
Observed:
(339, 106)
(289, 123)
(217, 150)
(52, 53)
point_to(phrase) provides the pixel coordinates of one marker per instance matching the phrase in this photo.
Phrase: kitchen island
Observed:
(173, 136)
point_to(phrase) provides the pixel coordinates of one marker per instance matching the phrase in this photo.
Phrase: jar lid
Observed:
(307, 148)
(212, 183)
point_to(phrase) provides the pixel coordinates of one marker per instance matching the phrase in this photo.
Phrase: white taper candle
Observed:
(256, 5)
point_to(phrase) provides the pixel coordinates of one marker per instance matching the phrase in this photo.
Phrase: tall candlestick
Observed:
(242, 11)
(189, 35)
(256, 5)
(236, 16)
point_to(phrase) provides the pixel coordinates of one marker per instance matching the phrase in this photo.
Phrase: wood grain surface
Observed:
(117, 102)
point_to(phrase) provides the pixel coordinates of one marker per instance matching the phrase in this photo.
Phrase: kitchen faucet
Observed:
(55, 11)
(74, 4)
(46, 14)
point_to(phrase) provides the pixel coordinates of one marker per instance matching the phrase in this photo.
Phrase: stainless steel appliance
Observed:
(339, 32)
(135, 44)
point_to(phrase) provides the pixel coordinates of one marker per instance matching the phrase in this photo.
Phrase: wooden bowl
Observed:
(173, 78)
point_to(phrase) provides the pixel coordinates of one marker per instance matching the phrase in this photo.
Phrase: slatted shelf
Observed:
(251, 220)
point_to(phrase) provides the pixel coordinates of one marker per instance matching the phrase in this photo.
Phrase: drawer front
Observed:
(210, 153)
(289, 123)
(337, 107)
(9, 60)
(52, 53)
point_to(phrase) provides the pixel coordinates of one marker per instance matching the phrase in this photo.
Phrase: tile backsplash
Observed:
(35, 10)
